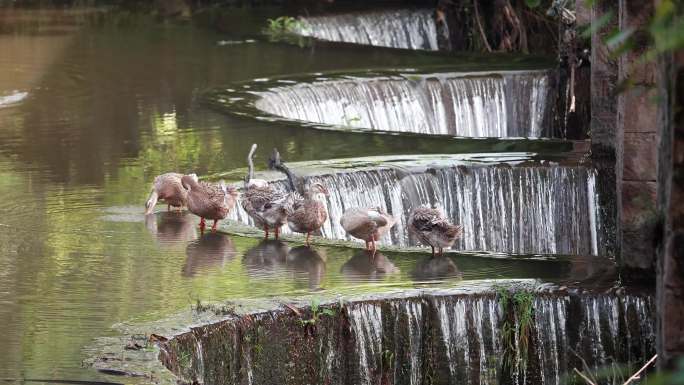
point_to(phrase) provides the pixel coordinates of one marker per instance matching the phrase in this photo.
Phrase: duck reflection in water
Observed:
(435, 268)
(368, 265)
(267, 257)
(171, 227)
(304, 259)
(209, 250)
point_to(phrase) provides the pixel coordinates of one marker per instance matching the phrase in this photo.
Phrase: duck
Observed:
(262, 202)
(432, 228)
(209, 200)
(168, 187)
(305, 213)
(368, 224)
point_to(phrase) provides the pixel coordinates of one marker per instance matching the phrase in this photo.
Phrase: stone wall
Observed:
(636, 142)
(456, 336)
(624, 134)
(671, 210)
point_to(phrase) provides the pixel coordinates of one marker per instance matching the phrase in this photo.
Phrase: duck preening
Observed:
(305, 212)
(368, 224)
(262, 202)
(432, 228)
(168, 188)
(209, 200)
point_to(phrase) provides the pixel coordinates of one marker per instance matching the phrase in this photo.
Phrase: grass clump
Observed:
(516, 328)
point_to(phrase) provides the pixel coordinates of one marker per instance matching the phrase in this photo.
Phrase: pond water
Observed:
(92, 108)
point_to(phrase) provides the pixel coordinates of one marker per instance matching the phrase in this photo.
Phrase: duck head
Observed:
(189, 181)
(315, 189)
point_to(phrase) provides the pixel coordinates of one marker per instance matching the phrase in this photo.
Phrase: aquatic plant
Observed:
(516, 329)
(283, 25)
(316, 312)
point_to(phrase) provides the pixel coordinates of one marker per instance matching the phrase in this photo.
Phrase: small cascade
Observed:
(366, 324)
(510, 104)
(408, 339)
(471, 340)
(404, 28)
(199, 359)
(615, 329)
(462, 337)
(551, 318)
(526, 209)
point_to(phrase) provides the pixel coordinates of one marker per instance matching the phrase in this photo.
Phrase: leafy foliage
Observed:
(317, 312)
(283, 25)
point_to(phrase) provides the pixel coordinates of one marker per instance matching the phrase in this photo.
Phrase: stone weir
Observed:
(401, 28)
(470, 335)
(506, 203)
(493, 104)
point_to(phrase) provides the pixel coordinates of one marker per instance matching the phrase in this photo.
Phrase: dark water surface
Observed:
(89, 114)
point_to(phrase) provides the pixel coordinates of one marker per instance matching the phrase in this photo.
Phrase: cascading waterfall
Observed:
(366, 323)
(522, 209)
(454, 339)
(551, 327)
(470, 335)
(509, 104)
(404, 28)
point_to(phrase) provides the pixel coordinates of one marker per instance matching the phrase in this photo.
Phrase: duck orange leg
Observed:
(213, 227)
(202, 224)
(265, 232)
(277, 233)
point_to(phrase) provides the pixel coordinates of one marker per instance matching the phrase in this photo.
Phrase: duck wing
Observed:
(425, 219)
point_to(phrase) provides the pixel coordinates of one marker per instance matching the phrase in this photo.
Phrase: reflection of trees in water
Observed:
(210, 250)
(365, 266)
(307, 260)
(268, 256)
(171, 227)
(435, 268)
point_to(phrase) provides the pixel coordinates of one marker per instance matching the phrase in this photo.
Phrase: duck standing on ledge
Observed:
(209, 200)
(368, 224)
(168, 187)
(305, 213)
(432, 228)
(263, 203)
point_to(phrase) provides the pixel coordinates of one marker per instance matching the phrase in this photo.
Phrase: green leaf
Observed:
(315, 302)
(533, 3)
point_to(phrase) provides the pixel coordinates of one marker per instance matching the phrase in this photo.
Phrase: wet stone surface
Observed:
(420, 336)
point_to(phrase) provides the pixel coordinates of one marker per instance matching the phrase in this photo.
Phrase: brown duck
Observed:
(432, 228)
(168, 188)
(306, 214)
(209, 200)
(368, 224)
(262, 202)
